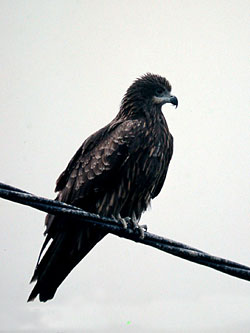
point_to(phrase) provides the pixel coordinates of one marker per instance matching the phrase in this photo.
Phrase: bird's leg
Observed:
(136, 226)
(123, 221)
(133, 222)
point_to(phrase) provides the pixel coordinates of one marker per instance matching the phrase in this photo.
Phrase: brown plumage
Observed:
(116, 171)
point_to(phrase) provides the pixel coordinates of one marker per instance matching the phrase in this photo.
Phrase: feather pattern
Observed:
(116, 171)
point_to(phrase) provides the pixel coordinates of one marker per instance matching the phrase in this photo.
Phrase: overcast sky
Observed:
(65, 66)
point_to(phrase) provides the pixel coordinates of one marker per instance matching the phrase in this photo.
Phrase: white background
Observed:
(65, 66)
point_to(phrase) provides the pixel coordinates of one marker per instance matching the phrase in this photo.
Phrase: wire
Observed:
(115, 227)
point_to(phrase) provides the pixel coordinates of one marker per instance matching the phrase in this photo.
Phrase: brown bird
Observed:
(116, 172)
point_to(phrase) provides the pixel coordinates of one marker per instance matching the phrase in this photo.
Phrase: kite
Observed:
(115, 173)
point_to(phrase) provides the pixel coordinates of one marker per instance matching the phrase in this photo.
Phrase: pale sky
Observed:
(65, 66)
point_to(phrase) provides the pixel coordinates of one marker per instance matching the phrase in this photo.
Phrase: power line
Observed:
(115, 227)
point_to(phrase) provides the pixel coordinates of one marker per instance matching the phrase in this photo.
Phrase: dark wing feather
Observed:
(95, 169)
(86, 147)
(85, 181)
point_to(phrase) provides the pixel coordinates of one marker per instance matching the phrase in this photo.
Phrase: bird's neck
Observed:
(155, 118)
(135, 109)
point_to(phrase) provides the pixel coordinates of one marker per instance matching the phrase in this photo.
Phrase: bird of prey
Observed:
(115, 173)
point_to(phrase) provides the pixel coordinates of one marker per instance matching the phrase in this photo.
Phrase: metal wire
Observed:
(115, 227)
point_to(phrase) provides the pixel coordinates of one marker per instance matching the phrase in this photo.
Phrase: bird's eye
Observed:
(159, 91)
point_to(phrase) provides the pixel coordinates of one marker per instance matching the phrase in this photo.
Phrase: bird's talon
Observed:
(122, 220)
(135, 225)
(144, 227)
(141, 232)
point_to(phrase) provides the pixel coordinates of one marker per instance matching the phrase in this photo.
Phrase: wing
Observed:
(85, 148)
(92, 171)
(95, 166)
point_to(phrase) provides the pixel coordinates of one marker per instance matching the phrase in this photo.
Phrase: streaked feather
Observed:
(116, 171)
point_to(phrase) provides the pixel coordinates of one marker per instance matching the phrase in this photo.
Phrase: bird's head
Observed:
(148, 90)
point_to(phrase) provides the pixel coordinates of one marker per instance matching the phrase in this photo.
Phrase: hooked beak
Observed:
(173, 100)
(166, 99)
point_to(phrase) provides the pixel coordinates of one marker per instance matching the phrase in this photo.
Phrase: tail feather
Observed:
(64, 253)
